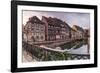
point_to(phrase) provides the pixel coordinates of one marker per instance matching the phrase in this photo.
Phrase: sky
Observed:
(72, 18)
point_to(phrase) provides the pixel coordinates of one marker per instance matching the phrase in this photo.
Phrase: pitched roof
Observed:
(78, 28)
(35, 19)
(67, 26)
(52, 21)
(56, 22)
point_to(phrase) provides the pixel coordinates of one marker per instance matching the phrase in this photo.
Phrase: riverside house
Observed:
(65, 31)
(56, 29)
(53, 29)
(35, 30)
(86, 33)
(73, 34)
(50, 29)
(79, 34)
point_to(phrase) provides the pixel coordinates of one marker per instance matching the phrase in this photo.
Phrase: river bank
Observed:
(38, 53)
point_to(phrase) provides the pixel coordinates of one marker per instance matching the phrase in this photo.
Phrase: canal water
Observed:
(76, 47)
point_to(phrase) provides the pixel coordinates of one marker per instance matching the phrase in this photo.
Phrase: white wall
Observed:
(5, 36)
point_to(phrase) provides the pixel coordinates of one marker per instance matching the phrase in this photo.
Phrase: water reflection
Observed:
(82, 50)
(80, 47)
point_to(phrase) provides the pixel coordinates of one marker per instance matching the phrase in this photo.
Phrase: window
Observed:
(37, 37)
(42, 30)
(41, 37)
(32, 28)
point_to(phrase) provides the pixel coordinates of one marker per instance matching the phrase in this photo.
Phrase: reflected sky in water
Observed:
(76, 47)
(82, 50)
